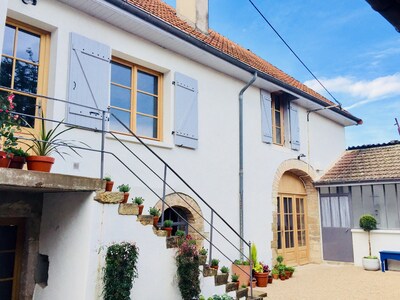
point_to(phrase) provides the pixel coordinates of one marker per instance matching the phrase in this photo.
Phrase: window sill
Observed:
(131, 139)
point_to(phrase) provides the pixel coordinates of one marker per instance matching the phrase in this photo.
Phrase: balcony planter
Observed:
(40, 163)
(5, 159)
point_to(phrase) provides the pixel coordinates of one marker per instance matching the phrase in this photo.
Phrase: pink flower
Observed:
(1, 110)
(16, 117)
(10, 97)
(7, 111)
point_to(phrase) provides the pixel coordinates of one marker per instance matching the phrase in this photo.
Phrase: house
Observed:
(175, 83)
(365, 180)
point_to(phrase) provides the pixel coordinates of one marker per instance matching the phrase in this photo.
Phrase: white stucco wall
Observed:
(212, 169)
(380, 240)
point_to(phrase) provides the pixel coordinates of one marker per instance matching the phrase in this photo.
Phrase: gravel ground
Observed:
(336, 282)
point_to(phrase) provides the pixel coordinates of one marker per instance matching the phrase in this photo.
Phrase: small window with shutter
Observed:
(277, 119)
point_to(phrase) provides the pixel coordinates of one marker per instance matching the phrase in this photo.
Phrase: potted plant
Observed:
(155, 212)
(203, 256)
(139, 201)
(290, 270)
(124, 188)
(168, 227)
(214, 263)
(275, 273)
(270, 279)
(109, 183)
(19, 159)
(368, 223)
(242, 268)
(224, 270)
(258, 268)
(235, 278)
(282, 271)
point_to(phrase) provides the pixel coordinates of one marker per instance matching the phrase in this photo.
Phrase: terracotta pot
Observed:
(215, 267)
(109, 186)
(244, 273)
(275, 276)
(237, 285)
(287, 274)
(140, 207)
(5, 159)
(262, 279)
(253, 283)
(168, 230)
(290, 274)
(40, 163)
(282, 277)
(270, 279)
(126, 196)
(155, 220)
(17, 162)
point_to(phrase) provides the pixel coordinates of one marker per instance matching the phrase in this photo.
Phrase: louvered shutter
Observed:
(266, 117)
(186, 111)
(294, 128)
(89, 81)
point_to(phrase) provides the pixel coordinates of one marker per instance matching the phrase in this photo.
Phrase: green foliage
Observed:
(120, 271)
(9, 122)
(282, 269)
(235, 277)
(257, 267)
(222, 297)
(224, 270)
(275, 271)
(241, 262)
(214, 262)
(203, 251)
(138, 200)
(124, 188)
(290, 269)
(202, 297)
(168, 223)
(187, 260)
(17, 152)
(367, 222)
(180, 233)
(279, 259)
(107, 178)
(154, 211)
(371, 257)
(243, 286)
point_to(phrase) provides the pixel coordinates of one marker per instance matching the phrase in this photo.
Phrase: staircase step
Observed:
(145, 219)
(242, 293)
(221, 279)
(208, 272)
(172, 242)
(128, 209)
(160, 232)
(109, 197)
(231, 286)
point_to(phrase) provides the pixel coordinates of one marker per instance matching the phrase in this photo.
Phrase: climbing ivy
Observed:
(120, 271)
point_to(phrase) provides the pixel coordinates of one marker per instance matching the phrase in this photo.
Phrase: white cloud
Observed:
(361, 91)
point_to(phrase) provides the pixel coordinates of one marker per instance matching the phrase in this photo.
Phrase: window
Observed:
(179, 218)
(277, 119)
(23, 64)
(136, 99)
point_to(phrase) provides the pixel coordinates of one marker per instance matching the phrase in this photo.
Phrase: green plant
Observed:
(202, 297)
(124, 188)
(107, 178)
(224, 270)
(9, 123)
(290, 269)
(214, 262)
(257, 267)
(203, 251)
(138, 200)
(222, 297)
(154, 211)
(180, 233)
(368, 223)
(120, 271)
(17, 152)
(282, 269)
(279, 259)
(275, 271)
(168, 223)
(235, 277)
(188, 271)
(241, 262)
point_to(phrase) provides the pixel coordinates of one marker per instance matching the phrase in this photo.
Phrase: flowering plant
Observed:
(9, 122)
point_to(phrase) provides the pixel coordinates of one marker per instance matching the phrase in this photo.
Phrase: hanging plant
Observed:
(120, 271)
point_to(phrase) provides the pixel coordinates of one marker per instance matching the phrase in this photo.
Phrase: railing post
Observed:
(211, 237)
(103, 136)
(251, 272)
(163, 195)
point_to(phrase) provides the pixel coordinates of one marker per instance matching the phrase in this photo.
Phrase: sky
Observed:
(351, 49)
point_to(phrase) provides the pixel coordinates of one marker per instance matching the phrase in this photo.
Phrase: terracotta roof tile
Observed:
(364, 164)
(167, 14)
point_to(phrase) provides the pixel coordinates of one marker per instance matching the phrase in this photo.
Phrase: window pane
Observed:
(147, 83)
(26, 76)
(7, 264)
(25, 105)
(6, 72)
(146, 126)
(344, 211)
(8, 237)
(278, 136)
(28, 46)
(8, 42)
(277, 102)
(6, 289)
(335, 212)
(146, 104)
(278, 119)
(326, 212)
(279, 240)
(121, 74)
(123, 116)
(120, 97)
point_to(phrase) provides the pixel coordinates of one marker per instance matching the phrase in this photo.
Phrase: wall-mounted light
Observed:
(33, 2)
(300, 156)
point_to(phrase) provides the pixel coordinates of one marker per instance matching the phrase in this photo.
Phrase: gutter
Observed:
(130, 8)
(350, 183)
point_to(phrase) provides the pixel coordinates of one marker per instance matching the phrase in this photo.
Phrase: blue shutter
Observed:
(186, 111)
(266, 117)
(89, 81)
(294, 128)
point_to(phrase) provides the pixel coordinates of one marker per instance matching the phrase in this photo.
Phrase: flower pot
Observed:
(262, 279)
(215, 267)
(370, 264)
(40, 163)
(290, 274)
(140, 207)
(282, 277)
(254, 283)
(270, 279)
(275, 276)
(155, 220)
(244, 273)
(287, 274)
(109, 186)
(17, 162)
(126, 196)
(168, 230)
(5, 159)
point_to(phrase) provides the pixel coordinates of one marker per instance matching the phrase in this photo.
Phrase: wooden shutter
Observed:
(266, 117)
(89, 81)
(186, 111)
(294, 128)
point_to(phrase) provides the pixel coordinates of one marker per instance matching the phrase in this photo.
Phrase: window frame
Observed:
(133, 98)
(282, 119)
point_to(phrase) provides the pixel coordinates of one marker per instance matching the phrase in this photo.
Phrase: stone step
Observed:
(231, 286)
(145, 219)
(208, 272)
(131, 209)
(109, 197)
(221, 279)
(242, 293)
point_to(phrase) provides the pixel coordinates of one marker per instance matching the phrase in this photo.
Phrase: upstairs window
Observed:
(136, 99)
(277, 119)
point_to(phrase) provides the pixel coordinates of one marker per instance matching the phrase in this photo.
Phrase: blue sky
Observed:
(351, 48)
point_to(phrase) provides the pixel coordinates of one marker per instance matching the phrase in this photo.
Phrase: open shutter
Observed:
(294, 128)
(266, 117)
(89, 81)
(186, 111)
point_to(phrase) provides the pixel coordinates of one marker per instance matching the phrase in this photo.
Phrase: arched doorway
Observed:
(179, 217)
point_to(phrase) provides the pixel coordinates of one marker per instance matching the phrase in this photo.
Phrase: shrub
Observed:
(214, 262)
(124, 188)
(138, 200)
(368, 223)
(180, 233)
(235, 277)
(168, 223)
(225, 270)
(154, 211)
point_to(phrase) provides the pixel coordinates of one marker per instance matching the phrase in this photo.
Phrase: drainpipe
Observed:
(241, 231)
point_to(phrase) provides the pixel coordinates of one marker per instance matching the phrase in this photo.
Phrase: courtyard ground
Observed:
(336, 282)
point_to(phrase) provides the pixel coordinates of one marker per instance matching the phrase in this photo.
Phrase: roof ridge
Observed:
(368, 146)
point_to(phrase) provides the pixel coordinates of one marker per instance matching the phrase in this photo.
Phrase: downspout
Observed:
(241, 231)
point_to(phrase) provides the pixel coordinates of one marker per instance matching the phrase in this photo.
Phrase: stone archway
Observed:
(307, 175)
(193, 213)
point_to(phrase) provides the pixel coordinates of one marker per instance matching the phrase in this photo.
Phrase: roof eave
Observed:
(356, 182)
